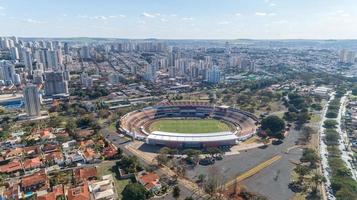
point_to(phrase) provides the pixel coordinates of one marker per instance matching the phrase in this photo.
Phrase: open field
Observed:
(189, 126)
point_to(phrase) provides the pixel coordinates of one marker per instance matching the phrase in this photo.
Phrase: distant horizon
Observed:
(181, 19)
(202, 39)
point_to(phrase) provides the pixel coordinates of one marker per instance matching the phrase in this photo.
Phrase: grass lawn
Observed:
(112, 127)
(189, 126)
(105, 168)
(315, 118)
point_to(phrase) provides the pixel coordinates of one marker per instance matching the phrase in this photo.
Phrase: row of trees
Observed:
(298, 109)
(342, 184)
(308, 177)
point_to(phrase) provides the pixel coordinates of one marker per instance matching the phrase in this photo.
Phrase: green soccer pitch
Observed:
(189, 126)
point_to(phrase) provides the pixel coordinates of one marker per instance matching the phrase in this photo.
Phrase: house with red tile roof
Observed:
(79, 193)
(55, 157)
(149, 180)
(49, 147)
(90, 155)
(86, 144)
(110, 152)
(33, 151)
(11, 191)
(11, 167)
(56, 192)
(32, 163)
(14, 152)
(35, 182)
(85, 133)
(83, 174)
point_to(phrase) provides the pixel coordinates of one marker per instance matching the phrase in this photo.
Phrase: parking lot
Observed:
(271, 182)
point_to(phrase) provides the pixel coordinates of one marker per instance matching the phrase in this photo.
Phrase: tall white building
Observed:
(14, 52)
(32, 101)
(214, 75)
(8, 72)
(27, 56)
(150, 72)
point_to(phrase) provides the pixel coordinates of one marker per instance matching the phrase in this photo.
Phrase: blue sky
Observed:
(181, 19)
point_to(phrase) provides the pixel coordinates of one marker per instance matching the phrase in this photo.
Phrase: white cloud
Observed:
(33, 21)
(260, 14)
(2, 8)
(148, 15)
(101, 17)
(238, 14)
(163, 20)
(272, 14)
(272, 4)
(187, 19)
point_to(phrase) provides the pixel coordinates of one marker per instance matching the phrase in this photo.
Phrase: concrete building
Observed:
(27, 57)
(55, 83)
(32, 100)
(8, 72)
(214, 75)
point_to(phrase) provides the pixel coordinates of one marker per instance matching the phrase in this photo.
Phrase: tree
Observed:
(214, 151)
(273, 125)
(301, 170)
(134, 191)
(310, 155)
(71, 126)
(317, 179)
(330, 123)
(176, 192)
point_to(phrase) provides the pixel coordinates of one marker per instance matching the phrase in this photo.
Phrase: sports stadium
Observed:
(189, 125)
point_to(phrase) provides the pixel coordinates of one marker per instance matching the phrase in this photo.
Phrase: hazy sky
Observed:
(181, 19)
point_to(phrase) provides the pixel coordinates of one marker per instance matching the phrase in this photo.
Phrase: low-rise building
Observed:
(79, 193)
(103, 189)
(149, 180)
(84, 174)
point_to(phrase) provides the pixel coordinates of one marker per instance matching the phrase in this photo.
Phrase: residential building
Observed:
(32, 101)
(55, 83)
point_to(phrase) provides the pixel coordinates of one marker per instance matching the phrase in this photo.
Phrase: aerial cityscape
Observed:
(178, 100)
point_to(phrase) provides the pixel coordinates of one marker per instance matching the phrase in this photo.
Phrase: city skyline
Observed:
(180, 19)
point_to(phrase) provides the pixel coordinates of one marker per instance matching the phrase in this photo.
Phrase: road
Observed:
(272, 181)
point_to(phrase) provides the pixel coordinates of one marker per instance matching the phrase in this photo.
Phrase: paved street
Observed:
(271, 182)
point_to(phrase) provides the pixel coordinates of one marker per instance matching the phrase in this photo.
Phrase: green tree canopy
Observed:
(273, 124)
(134, 191)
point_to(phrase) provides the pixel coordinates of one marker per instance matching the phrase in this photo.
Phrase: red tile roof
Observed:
(34, 179)
(83, 174)
(12, 166)
(32, 163)
(57, 191)
(149, 180)
(79, 193)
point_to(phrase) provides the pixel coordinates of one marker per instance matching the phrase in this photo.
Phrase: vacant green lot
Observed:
(189, 126)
